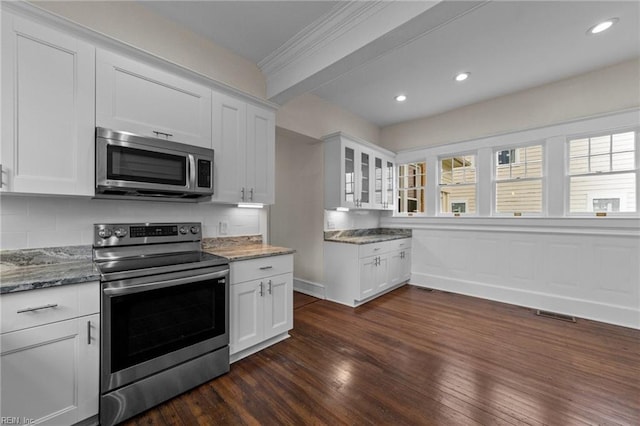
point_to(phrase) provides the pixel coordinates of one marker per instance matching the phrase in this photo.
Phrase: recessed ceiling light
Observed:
(462, 76)
(602, 26)
(401, 98)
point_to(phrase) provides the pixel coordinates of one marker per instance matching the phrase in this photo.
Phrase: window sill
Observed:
(606, 226)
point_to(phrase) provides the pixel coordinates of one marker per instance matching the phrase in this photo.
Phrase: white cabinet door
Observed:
(247, 313)
(260, 160)
(50, 373)
(244, 144)
(229, 137)
(406, 265)
(279, 305)
(396, 267)
(48, 104)
(368, 284)
(382, 273)
(138, 98)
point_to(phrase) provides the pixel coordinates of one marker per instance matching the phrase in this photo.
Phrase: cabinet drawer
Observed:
(374, 249)
(255, 269)
(19, 310)
(367, 250)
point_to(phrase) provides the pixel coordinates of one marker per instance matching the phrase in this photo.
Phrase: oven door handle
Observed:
(137, 288)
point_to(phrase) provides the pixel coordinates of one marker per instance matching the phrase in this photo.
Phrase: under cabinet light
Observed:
(401, 98)
(342, 209)
(250, 205)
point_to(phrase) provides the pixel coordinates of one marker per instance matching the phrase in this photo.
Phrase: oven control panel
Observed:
(118, 234)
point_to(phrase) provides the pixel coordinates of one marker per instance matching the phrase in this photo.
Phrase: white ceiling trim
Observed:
(338, 34)
(340, 19)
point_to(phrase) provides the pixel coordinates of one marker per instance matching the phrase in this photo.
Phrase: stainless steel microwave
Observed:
(140, 167)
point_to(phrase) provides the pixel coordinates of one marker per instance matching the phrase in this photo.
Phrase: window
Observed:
(412, 180)
(602, 173)
(518, 180)
(458, 184)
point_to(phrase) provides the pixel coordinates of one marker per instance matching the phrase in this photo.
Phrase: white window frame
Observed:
(439, 186)
(398, 188)
(495, 181)
(568, 175)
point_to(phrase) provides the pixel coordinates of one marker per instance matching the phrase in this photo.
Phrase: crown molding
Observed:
(340, 20)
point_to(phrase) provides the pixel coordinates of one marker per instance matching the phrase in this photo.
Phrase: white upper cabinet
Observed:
(357, 174)
(134, 97)
(244, 145)
(48, 87)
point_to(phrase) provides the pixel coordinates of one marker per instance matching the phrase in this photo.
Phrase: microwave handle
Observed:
(191, 182)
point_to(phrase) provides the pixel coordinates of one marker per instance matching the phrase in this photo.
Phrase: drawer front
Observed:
(255, 269)
(374, 249)
(37, 307)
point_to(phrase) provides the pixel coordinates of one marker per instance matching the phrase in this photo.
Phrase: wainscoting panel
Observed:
(589, 275)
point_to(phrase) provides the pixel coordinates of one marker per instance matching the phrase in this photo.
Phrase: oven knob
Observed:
(195, 229)
(104, 233)
(120, 232)
(184, 230)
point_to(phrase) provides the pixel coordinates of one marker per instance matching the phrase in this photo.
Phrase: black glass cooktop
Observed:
(145, 265)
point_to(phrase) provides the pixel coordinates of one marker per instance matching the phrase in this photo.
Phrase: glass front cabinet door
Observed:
(357, 174)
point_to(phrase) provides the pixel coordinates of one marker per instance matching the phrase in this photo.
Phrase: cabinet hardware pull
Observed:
(269, 286)
(242, 192)
(376, 249)
(251, 194)
(52, 305)
(0, 175)
(167, 135)
(261, 289)
(262, 268)
(88, 332)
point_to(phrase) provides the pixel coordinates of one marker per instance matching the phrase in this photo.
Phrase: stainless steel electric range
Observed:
(164, 317)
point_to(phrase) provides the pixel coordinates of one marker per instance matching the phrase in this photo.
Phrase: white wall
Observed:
(38, 221)
(296, 217)
(314, 117)
(131, 22)
(581, 274)
(609, 89)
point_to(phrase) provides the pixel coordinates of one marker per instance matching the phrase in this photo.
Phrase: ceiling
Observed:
(359, 55)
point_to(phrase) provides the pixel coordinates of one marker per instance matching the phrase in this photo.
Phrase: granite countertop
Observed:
(31, 269)
(242, 248)
(366, 236)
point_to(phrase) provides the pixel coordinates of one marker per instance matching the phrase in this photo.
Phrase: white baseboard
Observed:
(237, 356)
(612, 314)
(309, 287)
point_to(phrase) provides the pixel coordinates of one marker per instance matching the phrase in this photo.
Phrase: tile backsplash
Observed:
(39, 221)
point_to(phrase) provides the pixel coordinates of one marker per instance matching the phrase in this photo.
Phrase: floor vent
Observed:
(555, 315)
(425, 289)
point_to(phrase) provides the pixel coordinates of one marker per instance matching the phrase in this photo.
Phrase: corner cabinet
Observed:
(357, 273)
(134, 97)
(50, 354)
(48, 105)
(358, 175)
(261, 308)
(244, 145)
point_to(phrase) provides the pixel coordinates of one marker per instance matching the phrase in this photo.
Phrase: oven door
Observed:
(152, 323)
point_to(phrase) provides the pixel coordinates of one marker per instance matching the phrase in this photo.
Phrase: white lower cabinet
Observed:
(50, 372)
(261, 309)
(354, 273)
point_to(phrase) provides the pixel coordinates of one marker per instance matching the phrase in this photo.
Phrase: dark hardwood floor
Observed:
(414, 357)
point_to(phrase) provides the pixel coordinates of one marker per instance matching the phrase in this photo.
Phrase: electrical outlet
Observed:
(224, 227)
(331, 225)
